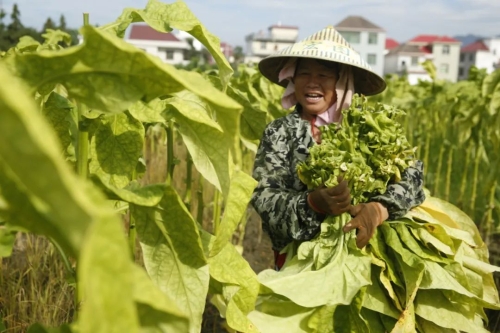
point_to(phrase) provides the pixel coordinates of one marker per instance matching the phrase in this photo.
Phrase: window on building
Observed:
(494, 51)
(446, 49)
(371, 58)
(462, 57)
(444, 68)
(351, 37)
(460, 71)
(169, 54)
(185, 55)
(263, 45)
(471, 57)
(372, 38)
(414, 61)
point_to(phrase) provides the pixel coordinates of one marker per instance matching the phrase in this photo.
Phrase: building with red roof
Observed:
(167, 46)
(261, 44)
(390, 44)
(483, 53)
(407, 58)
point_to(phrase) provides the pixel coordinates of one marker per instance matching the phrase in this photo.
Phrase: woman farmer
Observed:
(321, 74)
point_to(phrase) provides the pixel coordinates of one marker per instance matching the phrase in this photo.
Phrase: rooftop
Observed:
(428, 39)
(475, 46)
(390, 43)
(357, 23)
(145, 32)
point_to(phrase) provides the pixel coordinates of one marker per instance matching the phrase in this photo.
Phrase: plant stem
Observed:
(217, 211)
(463, 185)
(477, 161)
(437, 178)
(189, 180)
(448, 174)
(83, 143)
(170, 151)
(487, 226)
(132, 233)
(201, 206)
(426, 153)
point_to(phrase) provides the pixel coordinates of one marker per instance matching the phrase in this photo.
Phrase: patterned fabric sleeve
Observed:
(402, 196)
(284, 211)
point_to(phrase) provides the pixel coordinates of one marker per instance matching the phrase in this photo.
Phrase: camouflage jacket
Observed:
(280, 197)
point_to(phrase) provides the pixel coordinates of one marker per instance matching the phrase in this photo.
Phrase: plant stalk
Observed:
(437, 179)
(217, 212)
(463, 184)
(477, 161)
(449, 167)
(189, 180)
(201, 206)
(170, 151)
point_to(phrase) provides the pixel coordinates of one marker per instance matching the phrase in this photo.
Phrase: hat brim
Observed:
(365, 82)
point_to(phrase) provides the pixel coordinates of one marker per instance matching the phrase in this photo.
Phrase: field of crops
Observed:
(138, 176)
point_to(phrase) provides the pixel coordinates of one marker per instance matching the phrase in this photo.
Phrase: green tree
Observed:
(49, 24)
(238, 55)
(62, 23)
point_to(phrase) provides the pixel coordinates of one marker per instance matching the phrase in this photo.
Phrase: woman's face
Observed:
(315, 86)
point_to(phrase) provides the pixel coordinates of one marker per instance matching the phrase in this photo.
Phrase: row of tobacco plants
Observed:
(73, 122)
(456, 127)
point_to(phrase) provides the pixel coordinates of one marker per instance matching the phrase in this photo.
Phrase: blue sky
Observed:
(232, 20)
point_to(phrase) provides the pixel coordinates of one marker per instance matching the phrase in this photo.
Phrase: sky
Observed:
(232, 20)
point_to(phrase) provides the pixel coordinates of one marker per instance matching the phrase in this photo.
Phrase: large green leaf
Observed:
(157, 312)
(149, 112)
(109, 74)
(165, 17)
(136, 194)
(490, 83)
(240, 287)
(204, 138)
(7, 239)
(435, 307)
(173, 254)
(56, 109)
(240, 191)
(30, 151)
(106, 280)
(253, 120)
(115, 149)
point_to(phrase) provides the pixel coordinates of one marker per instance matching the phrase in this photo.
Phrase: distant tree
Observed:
(238, 55)
(15, 27)
(3, 31)
(62, 23)
(49, 24)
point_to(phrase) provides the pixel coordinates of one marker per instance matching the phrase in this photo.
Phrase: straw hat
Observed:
(326, 44)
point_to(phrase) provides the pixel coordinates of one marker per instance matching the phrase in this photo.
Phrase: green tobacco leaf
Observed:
(165, 17)
(348, 319)
(106, 280)
(115, 149)
(54, 37)
(435, 307)
(27, 44)
(280, 316)
(30, 152)
(240, 192)
(205, 140)
(350, 271)
(377, 300)
(253, 120)
(321, 320)
(240, 287)
(149, 112)
(7, 239)
(56, 109)
(136, 194)
(495, 100)
(490, 83)
(173, 254)
(157, 312)
(109, 74)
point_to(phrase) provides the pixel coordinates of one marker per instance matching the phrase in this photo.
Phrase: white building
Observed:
(407, 58)
(166, 46)
(366, 38)
(260, 45)
(483, 53)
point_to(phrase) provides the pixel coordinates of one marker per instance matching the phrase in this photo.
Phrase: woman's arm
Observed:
(284, 211)
(402, 196)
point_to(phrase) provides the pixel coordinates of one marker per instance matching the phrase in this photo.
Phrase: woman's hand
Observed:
(332, 201)
(367, 217)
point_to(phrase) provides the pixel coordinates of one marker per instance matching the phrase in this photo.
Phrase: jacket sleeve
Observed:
(402, 196)
(284, 211)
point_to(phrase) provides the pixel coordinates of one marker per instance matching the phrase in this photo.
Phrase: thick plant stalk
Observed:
(217, 211)
(426, 153)
(201, 206)
(189, 180)
(487, 225)
(437, 179)
(83, 144)
(170, 151)
(463, 184)
(449, 168)
(477, 161)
